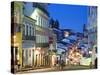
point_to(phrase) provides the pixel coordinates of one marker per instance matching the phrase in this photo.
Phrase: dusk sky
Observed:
(69, 16)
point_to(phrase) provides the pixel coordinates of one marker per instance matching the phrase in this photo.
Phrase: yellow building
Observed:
(16, 36)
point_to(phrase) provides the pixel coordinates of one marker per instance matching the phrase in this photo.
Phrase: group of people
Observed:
(60, 64)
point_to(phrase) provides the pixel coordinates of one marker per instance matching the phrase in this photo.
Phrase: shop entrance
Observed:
(14, 60)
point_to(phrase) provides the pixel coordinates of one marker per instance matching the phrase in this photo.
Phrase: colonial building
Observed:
(16, 36)
(38, 11)
(92, 26)
(28, 41)
(92, 31)
(52, 47)
(54, 25)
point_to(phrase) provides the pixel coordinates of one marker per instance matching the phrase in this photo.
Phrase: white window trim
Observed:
(25, 29)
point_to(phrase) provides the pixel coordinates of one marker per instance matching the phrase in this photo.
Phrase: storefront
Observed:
(41, 57)
(28, 53)
(14, 58)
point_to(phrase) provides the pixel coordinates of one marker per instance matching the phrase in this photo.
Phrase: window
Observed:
(41, 39)
(42, 22)
(23, 29)
(30, 31)
(37, 38)
(26, 60)
(45, 23)
(33, 32)
(44, 39)
(39, 21)
(30, 53)
(26, 29)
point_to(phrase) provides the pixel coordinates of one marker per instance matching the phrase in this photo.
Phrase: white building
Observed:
(92, 31)
(28, 41)
(38, 11)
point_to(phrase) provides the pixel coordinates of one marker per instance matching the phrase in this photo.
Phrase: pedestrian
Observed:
(62, 64)
(96, 63)
(59, 64)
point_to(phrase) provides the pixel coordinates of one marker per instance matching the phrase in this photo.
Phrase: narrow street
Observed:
(43, 42)
(38, 70)
(68, 67)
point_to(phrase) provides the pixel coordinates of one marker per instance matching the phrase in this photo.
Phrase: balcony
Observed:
(42, 45)
(25, 37)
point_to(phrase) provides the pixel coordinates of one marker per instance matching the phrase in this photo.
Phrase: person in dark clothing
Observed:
(96, 60)
(95, 63)
(62, 64)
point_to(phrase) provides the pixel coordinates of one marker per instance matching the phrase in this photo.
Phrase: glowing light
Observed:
(38, 48)
(37, 52)
(74, 56)
(14, 36)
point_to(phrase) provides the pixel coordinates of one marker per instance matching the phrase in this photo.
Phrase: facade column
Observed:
(33, 58)
(36, 61)
(43, 60)
(39, 60)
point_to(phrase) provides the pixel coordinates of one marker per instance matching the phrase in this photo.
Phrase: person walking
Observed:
(62, 64)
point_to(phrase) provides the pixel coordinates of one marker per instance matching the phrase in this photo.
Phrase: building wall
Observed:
(35, 12)
(28, 28)
(92, 31)
(92, 26)
(41, 25)
(16, 35)
(41, 32)
(52, 39)
(28, 43)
